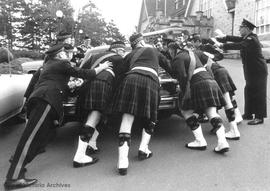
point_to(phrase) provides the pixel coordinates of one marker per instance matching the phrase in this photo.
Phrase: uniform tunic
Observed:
(204, 90)
(43, 107)
(138, 93)
(255, 72)
(97, 94)
(220, 74)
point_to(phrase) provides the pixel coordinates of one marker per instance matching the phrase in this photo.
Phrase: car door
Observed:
(13, 85)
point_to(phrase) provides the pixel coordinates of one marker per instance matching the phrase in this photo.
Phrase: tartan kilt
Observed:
(97, 95)
(137, 95)
(224, 81)
(204, 94)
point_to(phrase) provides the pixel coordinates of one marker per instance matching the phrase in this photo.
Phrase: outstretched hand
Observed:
(105, 65)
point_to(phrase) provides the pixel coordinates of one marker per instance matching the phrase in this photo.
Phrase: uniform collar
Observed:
(249, 34)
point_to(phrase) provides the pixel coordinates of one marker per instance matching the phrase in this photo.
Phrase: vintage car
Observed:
(169, 88)
(13, 84)
(31, 67)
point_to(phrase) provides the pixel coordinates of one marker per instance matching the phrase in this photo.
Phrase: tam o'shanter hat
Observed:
(135, 38)
(55, 49)
(62, 35)
(172, 43)
(69, 48)
(117, 44)
(248, 24)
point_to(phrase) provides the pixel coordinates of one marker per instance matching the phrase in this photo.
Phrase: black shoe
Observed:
(78, 164)
(142, 155)
(202, 148)
(247, 116)
(255, 121)
(19, 183)
(122, 171)
(224, 150)
(90, 150)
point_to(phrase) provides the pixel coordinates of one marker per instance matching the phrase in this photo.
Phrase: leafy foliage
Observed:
(33, 25)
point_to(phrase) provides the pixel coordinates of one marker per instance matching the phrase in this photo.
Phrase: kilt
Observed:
(224, 81)
(203, 94)
(137, 95)
(97, 95)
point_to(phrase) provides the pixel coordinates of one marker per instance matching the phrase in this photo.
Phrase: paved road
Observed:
(173, 167)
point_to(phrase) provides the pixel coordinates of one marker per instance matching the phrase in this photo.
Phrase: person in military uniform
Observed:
(64, 37)
(209, 59)
(255, 71)
(44, 106)
(95, 96)
(137, 96)
(200, 93)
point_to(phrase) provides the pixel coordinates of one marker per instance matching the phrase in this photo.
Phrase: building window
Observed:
(206, 7)
(262, 16)
(176, 2)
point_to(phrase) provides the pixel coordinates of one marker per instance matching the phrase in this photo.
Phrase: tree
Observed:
(94, 26)
(33, 25)
(113, 33)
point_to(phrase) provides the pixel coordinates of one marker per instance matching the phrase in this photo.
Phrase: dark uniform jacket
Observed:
(180, 67)
(203, 58)
(211, 49)
(52, 83)
(117, 68)
(150, 58)
(250, 51)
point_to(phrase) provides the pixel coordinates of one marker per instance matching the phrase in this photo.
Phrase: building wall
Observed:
(222, 19)
(243, 9)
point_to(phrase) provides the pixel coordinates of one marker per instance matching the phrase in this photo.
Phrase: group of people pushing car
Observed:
(127, 86)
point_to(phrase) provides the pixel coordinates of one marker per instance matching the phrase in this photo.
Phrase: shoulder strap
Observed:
(208, 66)
(191, 69)
(99, 60)
(136, 56)
(192, 64)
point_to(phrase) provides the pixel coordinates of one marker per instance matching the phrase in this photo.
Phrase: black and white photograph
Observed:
(135, 95)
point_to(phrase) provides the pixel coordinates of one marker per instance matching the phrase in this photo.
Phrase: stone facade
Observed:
(222, 19)
(243, 9)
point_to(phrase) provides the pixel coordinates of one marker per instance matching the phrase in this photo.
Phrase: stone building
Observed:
(205, 16)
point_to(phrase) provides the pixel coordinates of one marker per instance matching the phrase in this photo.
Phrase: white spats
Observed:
(233, 133)
(80, 158)
(199, 143)
(123, 158)
(223, 145)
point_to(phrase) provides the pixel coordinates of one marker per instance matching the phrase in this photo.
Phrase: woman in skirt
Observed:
(225, 82)
(201, 93)
(137, 96)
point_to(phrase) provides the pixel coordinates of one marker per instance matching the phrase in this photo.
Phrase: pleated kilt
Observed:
(97, 95)
(224, 81)
(204, 94)
(138, 95)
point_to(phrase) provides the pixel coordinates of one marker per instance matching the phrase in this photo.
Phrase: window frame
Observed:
(262, 12)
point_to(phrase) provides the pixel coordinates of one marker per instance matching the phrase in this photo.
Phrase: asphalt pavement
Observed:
(172, 168)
